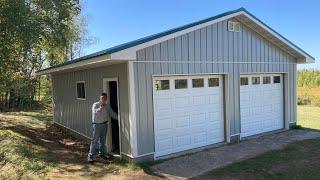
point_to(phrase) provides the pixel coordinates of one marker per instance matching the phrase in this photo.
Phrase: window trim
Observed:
(85, 90)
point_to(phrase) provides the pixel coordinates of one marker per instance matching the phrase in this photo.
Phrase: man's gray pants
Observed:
(98, 137)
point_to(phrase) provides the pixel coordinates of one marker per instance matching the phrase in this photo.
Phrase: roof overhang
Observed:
(128, 50)
(81, 65)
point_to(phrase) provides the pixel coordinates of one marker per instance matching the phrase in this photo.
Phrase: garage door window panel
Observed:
(198, 83)
(162, 85)
(255, 80)
(213, 82)
(266, 80)
(276, 79)
(181, 83)
(244, 81)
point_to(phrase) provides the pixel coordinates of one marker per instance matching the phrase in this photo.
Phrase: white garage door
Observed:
(261, 103)
(188, 112)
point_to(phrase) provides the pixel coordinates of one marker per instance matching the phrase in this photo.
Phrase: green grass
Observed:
(309, 117)
(21, 156)
(31, 148)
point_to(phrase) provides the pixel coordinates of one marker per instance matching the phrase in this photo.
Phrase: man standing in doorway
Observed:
(100, 112)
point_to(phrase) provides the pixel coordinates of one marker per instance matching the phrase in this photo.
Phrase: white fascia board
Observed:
(130, 53)
(75, 65)
(308, 58)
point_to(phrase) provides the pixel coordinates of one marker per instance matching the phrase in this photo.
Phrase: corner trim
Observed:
(132, 110)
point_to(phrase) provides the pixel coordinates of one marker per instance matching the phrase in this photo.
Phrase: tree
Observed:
(34, 34)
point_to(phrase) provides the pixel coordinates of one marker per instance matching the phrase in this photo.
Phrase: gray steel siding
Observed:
(203, 51)
(76, 114)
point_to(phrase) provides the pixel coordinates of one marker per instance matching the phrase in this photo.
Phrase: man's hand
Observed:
(101, 107)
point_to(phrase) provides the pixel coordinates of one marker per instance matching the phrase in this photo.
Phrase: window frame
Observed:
(213, 78)
(161, 80)
(248, 80)
(266, 77)
(279, 79)
(252, 82)
(84, 87)
(203, 84)
(174, 81)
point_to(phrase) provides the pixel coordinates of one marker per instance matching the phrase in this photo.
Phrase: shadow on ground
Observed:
(67, 153)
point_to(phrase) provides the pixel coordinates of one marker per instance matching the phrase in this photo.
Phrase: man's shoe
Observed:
(90, 159)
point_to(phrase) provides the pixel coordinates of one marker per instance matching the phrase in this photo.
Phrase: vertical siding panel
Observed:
(184, 53)
(215, 47)
(149, 101)
(209, 59)
(191, 52)
(254, 52)
(237, 54)
(209, 49)
(143, 124)
(249, 47)
(171, 57)
(177, 52)
(203, 50)
(164, 57)
(197, 41)
(244, 57)
(258, 59)
(225, 47)
(220, 47)
(157, 58)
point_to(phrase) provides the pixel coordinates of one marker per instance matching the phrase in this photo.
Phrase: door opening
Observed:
(113, 98)
(113, 145)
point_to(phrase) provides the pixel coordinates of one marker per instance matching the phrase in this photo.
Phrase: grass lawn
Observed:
(31, 147)
(309, 117)
(299, 160)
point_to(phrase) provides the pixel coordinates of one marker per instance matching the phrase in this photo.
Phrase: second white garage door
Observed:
(188, 112)
(261, 103)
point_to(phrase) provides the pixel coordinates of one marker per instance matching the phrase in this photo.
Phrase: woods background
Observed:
(35, 34)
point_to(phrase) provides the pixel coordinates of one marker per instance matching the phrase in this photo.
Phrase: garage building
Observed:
(217, 80)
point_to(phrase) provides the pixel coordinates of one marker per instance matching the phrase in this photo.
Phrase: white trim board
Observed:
(132, 110)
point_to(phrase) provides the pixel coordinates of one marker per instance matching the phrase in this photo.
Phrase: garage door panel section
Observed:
(188, 114)
(261, 103)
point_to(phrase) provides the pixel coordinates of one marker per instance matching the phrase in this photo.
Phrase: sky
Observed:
(113, 22)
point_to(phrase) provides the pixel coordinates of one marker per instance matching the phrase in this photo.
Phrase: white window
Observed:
(81, 90)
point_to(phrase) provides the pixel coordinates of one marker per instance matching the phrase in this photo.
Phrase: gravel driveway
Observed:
(200, 162)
